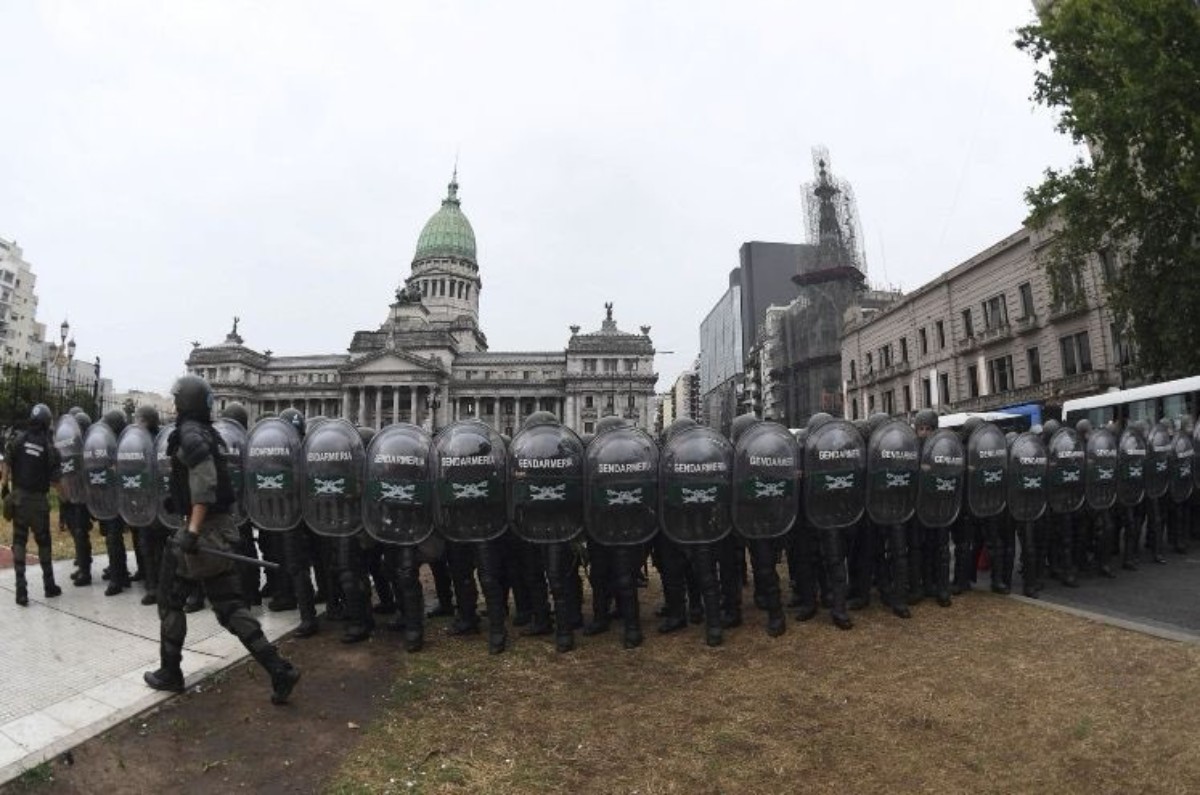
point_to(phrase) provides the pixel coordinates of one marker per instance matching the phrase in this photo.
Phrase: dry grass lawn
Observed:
(61, 543)
(988, 696)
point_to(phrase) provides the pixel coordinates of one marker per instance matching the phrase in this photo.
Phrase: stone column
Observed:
(362, 405)
(395, 402)
(378, 423)
(412, 404)
(345, 403)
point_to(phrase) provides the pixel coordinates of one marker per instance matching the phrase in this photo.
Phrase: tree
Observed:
(1124, 75)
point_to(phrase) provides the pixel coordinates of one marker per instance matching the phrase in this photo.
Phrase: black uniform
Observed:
(199, 477)
(33, 464)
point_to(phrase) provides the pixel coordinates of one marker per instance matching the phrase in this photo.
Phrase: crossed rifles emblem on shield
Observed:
(993, 476)
(897, 480)
(698, 496)
(398, 492)
(269, 482)
(98, 478)
(839, 482)
(68, 466)
(131, 481)
(547, 493)
(1071, 476)
(944, 484)
(768, 490)
(618, 497)
(332, 486)
(1030, 483)
(470, 491)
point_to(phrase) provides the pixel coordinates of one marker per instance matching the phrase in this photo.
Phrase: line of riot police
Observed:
(853, 507)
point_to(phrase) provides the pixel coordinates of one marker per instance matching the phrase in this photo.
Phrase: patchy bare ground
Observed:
(988, 696)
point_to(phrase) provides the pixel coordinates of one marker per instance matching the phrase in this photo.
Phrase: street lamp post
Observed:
(432, 404)
(62, 356)
(96, 389)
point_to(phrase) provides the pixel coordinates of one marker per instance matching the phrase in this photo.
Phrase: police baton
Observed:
(236, 558)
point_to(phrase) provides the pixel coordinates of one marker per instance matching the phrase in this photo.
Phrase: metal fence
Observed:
(21, 388)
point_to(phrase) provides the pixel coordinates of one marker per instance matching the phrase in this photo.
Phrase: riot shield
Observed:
(987, 464)
(943, 467)
(332, 466)
(1158, 466)
(138, 497)
(1065, 455)
(471, 472)
(621, 477)
(1027, 469)
(1196, 445)
(893, 454)
(765, 461)
(545, 466)
(1131, 468)
(695, 470)
(398, 499)
(1181, 467)
(272, 475)
(162, 480)
(1101, 474)
(100, 466)
(234, 437)
(68, 439)
(834, 475)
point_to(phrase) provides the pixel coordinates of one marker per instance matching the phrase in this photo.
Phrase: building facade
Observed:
(22, 337)
(428, 363)
(682, 400)
(992, 332)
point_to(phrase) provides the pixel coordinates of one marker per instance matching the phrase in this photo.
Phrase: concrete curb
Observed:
(1162, 631)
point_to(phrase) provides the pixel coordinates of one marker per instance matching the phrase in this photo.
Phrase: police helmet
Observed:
(83, 421)
(236, 412)
(539, 418)
(114, 419)
(147, 416)
(610, 422)
(40, 416)
(193, 398)
(741, 423)
(819, 419)
(1083, 427)
(681, 424)
(295, 418)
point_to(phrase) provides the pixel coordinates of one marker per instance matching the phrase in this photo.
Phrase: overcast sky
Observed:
(166, 166)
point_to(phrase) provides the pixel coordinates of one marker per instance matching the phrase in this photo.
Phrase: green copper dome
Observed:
(448, 233)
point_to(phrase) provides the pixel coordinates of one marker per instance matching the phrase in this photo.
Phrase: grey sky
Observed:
(168, 165)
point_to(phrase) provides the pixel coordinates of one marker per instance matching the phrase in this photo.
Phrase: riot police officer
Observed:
(201, 490)
(31, 464)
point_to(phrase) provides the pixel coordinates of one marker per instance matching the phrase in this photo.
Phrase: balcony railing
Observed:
(997, 333)
(1054, 391)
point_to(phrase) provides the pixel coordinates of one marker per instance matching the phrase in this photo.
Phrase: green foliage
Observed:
(1124, 75)
(21, 388)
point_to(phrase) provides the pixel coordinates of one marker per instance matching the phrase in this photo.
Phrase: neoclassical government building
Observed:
(429, 363)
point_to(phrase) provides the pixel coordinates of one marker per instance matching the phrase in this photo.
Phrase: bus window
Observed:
(1100, 417)
(1175, 407)
(1142, 410)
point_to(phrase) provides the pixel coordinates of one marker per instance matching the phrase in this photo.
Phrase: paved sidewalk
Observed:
(73, 665)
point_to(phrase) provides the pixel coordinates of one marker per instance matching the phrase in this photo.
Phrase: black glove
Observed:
(188, 541)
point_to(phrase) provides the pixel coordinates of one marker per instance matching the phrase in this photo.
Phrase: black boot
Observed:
(284, 675)
(22, 591)
(165, 678)
(50, 588)
(776, 623)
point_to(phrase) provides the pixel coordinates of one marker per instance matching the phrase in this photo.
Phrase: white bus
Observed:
(1170, 400)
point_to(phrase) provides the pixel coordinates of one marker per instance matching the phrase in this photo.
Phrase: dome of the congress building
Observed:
(447, 233)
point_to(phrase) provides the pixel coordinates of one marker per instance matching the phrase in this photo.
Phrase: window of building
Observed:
(885, 356)
(944, 387)
(870, 404)
(889, 402)
(1033, 359)
(610, 365)
(904, 349)
(908, 406)
(972, 380)
(1067, 288)
(968, 326)
(588, 402)
(1076, 353)
(941, 333)
(1000, 374)
(589, 427)
(609, 404)
(589, 365)
(632, 402)
(995, 312)
(853, 408)
(926, 393)
(1108, 264)
(1120, 349)
(870, 365)
(467, 291)
(1025, 290)
(853, 371)
(922, 341)
(631, 365)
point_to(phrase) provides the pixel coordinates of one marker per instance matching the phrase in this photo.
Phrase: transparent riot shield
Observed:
(398, 498)
(695, 471)
(621, 479)
(272, 495)
(1027, 469)
(1065, 462)
(943, 469)
(138, 496)
(765, 474)
(471, 472)
(834, 475)
(892, 467)
(100, 466)
(545, 467)
(1101, 473)
(332, 465)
